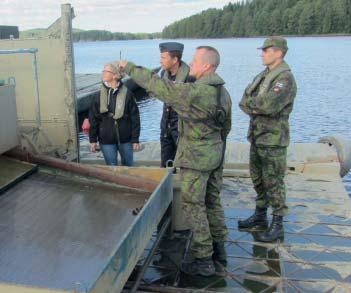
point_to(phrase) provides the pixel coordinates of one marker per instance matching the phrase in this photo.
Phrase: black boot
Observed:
(274, 232)
(199, 266)
(219, 253)
(257, 221)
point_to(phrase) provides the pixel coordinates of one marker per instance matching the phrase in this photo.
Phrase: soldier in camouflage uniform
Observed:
(268, 100)
(204, 111)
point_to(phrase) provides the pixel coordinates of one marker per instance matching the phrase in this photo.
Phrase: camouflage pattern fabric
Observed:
(200, 144)
(267, 170)
(268, 100)
(200, 150)
(269, 105)
(203, 209)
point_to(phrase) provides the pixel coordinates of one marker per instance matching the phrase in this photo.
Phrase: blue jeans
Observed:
(110, 153)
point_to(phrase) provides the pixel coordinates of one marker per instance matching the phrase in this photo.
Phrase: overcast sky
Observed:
(112, 15)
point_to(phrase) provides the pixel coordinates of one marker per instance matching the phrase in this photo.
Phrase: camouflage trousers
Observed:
(203, 209)
(267, 169)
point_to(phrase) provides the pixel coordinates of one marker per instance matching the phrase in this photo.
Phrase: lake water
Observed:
(322, 68)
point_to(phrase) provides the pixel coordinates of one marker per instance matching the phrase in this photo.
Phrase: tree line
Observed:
(103, 35)
(94, 35)
(266, 17)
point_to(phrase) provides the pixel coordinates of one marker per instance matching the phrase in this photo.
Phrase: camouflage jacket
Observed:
(201, 138)
(268, 100)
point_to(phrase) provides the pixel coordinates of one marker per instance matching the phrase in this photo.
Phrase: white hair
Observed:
(114, 69)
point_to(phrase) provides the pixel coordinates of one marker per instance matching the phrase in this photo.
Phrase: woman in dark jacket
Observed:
(114, 119)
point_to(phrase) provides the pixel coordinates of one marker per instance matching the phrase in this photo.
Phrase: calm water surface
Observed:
(322, 67)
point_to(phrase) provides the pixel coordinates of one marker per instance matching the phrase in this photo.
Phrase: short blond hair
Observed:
(212, 55)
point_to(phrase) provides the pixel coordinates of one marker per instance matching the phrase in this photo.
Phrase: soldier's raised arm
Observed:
(179, 95)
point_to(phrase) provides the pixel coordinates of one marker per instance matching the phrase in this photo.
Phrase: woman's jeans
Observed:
(110, 153)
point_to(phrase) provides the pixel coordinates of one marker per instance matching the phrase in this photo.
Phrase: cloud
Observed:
(118, 15)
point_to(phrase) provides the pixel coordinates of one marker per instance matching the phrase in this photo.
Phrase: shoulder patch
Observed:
(279, 85)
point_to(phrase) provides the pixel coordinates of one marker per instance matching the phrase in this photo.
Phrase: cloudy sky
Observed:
(113, 15)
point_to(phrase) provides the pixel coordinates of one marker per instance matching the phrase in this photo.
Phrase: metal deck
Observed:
(315, 255)
(58, 233)
(63, 232)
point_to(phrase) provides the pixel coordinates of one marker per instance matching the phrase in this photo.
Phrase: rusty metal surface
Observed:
(141, 183)
(60, 232)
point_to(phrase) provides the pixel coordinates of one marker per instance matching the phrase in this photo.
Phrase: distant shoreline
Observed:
(222, 38)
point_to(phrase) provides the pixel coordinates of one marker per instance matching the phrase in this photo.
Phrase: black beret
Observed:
(171, 46)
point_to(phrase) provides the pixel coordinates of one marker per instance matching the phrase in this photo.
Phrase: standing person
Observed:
(114, 119)
(173, 69)
(268, 100)
(204, 111)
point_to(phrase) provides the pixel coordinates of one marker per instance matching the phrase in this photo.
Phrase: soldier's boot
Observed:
(199, 266)
(219, 253)
(274, 232)
(257, 221)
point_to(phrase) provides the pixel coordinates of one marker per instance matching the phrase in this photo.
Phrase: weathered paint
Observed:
(129, 250)
(56, 88)
(8, 118)
(82, 231)
(12, 288)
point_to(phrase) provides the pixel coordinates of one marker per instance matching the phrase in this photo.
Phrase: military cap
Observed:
(278, 42)
(171, 46)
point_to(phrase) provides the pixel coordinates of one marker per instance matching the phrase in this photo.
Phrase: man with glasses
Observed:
(114, 119)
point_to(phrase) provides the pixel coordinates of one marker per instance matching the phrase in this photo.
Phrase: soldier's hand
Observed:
(122, 64)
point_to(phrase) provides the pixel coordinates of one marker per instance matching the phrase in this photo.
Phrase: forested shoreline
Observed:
(266, 17)
(249, 18)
